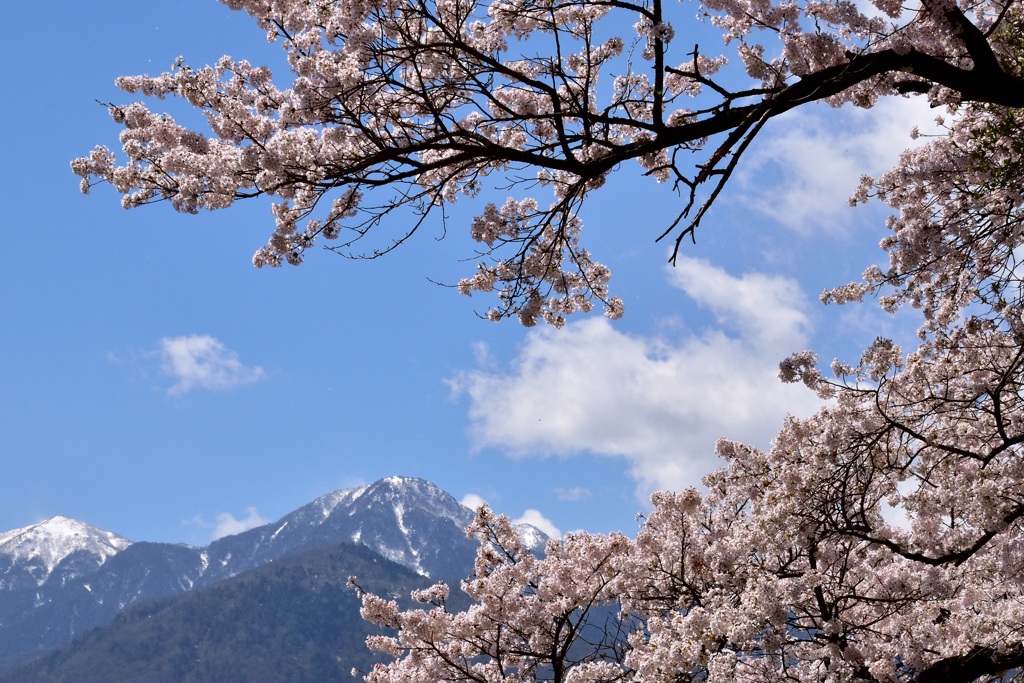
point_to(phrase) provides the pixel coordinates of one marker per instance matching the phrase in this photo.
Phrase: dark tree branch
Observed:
(978, 662)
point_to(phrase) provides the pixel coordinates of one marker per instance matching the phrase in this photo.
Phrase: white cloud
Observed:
(535, 518)
(228, 525)
(817, 157)
(473, 501)
(574, 494)
(660, 403)
(203, 362)
(761, 309)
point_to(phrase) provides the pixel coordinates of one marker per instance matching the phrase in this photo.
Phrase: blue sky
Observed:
(157, 385)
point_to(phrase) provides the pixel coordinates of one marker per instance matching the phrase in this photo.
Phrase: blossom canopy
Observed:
(399, 107)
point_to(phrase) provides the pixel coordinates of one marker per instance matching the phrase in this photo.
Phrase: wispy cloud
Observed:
(203, 362)
(227, 524)
(473, 501)
(818, 157)
(661, 403)
(574, 494)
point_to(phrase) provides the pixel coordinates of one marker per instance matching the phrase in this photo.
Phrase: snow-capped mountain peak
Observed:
(39, 548)
(402, 518)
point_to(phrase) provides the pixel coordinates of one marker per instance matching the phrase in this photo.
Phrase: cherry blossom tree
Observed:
(401, 107)
(794, 565)
(879, 539)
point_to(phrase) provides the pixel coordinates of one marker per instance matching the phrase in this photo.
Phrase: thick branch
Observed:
(978, 662)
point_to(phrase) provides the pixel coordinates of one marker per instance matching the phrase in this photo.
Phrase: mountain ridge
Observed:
(289, 621)
(50, 595)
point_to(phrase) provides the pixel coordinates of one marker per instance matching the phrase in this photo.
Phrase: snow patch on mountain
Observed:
(39, 548)
(327, 503)
(400, 518)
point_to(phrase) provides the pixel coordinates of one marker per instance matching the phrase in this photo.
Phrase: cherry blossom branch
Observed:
(435, 97)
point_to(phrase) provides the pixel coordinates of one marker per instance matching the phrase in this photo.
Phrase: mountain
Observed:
(60, 578)
(409, 521)
(45, 559)
(291, 620)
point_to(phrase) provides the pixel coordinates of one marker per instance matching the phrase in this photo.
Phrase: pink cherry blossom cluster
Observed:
(526, 606)
(878, 540)
(959, 224)
(540, 260)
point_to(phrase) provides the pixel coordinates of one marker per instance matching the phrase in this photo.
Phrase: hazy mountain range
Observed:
(270, 601)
